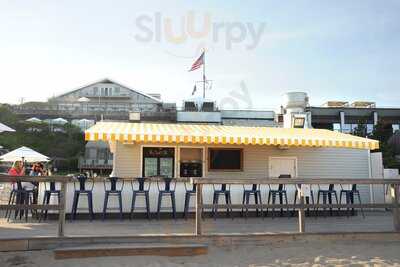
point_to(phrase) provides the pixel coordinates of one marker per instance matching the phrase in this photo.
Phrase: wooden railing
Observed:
(393, 183)
(200, 182)
(63, 180)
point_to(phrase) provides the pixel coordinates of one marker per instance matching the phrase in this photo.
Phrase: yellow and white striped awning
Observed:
(219, 134)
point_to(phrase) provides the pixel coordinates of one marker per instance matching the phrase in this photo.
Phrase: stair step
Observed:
(152, 249)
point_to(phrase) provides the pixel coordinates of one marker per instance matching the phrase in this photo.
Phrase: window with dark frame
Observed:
(225, 159)
(158, 161)
(298, 123)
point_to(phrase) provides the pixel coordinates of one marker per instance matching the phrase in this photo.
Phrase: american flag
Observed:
(197, 64)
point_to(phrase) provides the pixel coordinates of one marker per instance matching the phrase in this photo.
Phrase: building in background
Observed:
(111, 101)
(344, 117)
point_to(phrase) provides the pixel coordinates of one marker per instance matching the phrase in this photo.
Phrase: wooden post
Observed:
(61, 212)
(199, 203)
(302, 224)
(396, 210)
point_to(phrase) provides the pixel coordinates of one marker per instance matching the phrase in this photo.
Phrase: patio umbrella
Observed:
(34, 120)
(5, 128)
(60, 121)
(24, 153)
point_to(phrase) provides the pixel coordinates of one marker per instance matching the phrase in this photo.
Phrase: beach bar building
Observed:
(214, 151)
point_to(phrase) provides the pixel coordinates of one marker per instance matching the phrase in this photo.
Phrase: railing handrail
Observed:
(294, 181)
(26, 178)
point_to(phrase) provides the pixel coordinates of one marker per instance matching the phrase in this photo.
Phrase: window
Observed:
(230, 159)
(395, 127)
(346, 128)
(336, 127)
(95, 90)
(116, 90)
(298, 122)
(158, 161)
(370, 128)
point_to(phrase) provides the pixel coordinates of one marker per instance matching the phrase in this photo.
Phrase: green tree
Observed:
(361, 129)
(66, 145)
(382, 132)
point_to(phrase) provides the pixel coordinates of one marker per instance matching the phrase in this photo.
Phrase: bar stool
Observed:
(349, 196)
(306, 199)
(83, 186)
(255, 190)
(49, 190)
(21, 196)
(281, 193)
(189, 192)
(223, 190)
(143, 189)
(166, 186)
(327, 194)
(113, 186)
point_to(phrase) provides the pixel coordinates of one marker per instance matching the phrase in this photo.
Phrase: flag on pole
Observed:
(194, 90)
(197, 64)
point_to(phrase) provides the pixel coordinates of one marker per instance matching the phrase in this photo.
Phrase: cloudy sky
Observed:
(256, 50)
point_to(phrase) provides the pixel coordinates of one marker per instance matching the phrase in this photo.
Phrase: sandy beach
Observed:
(293, 253)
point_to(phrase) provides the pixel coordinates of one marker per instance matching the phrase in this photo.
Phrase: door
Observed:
(282, 166)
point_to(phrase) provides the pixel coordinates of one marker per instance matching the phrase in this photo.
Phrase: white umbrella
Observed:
(60, 121)
(34, 120)
(24, 153)
(5, 128)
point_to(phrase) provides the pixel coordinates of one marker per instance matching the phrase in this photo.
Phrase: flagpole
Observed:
(204, 74)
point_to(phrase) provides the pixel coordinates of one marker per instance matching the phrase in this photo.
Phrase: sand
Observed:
(293, 253)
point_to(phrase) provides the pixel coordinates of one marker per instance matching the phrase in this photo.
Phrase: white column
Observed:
(342, 120)
(375, 118)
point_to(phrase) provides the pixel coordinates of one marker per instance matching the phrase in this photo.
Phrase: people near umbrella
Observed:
(37, 169)
(17, 169)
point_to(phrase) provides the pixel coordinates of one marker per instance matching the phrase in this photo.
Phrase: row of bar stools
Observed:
(226, 192)
(20, 196)
(247, 193)
(166, 188)
(143, 189)
(83, 186)
(326, 195)
(113, 186)
(349, 197)
(188, 194)
(49, 191)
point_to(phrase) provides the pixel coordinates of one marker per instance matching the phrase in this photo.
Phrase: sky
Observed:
(255, 50)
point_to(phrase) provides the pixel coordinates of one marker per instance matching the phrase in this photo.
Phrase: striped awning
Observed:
(219, 134)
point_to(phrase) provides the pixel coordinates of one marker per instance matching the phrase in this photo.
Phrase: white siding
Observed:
(312, 162)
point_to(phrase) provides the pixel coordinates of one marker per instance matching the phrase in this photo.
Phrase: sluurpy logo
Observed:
(201, 29)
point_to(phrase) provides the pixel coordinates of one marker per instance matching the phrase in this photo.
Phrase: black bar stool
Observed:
(49, 190)
(327, 195)
(113, 186)
(255, 191)
(306, 199)
(21, 196)
(349, 197)
(168, 188)
(223, 190)
(281, 193)
(83, 186)
(189, 192)
(142, 189)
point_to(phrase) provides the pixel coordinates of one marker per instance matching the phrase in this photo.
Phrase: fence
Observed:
(199, 182)
(394, 183)
(41, 179)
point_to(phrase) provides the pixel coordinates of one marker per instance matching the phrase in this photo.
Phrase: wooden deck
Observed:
(376, 221)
